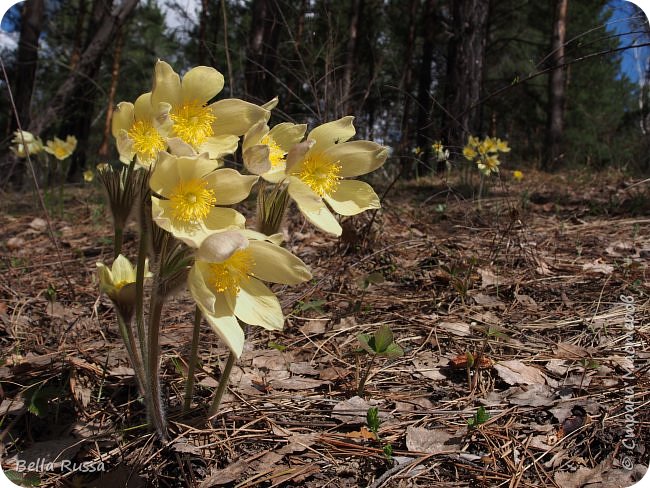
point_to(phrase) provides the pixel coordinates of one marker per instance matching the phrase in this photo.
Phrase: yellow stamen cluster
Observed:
(228, 276)
(191, 201)
(320, 175)
(276, 155)
(147, 142)
(193, 122)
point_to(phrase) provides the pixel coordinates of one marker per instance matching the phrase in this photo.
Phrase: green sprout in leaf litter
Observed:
(381, 343)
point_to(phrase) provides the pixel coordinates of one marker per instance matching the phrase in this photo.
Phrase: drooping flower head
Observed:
(33, 144)
(226, 283)
(213, 128)
(265, 151)
(140, 130)
(191, 188)
(118, 282)
(517, 175)
(61, 149)
(316, 171)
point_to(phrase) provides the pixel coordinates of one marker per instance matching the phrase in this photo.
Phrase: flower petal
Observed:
(218, 220)
(219, 246)
(123, 118)
(332, 133)
(277, 265)
(287, 135)
(196, 283)
(313, 207)
(230, 186)
(225, 325)
(166, 85)
(352, 197)
(297, 155)
(236, 116)
(201, 84)
(142, 109)
(256, 304)
(357, 157)
(219, 146)
(254, 135)
(256, 159)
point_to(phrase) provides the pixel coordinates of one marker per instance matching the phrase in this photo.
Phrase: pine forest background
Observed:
(411, 71)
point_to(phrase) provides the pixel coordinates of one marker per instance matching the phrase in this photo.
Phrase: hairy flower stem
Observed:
(126, 332)
(139, 286)
(364, 377)
(271, 208)
(189, 385)
(118, 238)
(223, 383)
(154, 403)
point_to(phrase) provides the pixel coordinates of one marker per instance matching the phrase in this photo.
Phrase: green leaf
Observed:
(480, 417)
(364, 340)
(388, 451)
(315, 305)
(470, 359)
(372, 419)
(382, 339)
(393, 351)
(275, 345)
(23, 479)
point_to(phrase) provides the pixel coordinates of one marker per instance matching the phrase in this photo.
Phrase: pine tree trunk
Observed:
(351, 55)
(465, 59)
(262, 50)
(556, 89)
(406, 85)
(425, 98)
(115, 73)
(101, 39)
(30, 30)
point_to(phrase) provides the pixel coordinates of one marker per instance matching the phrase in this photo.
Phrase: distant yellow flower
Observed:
(517, 175)
(489, 164)
(140, 129)
(417, 151)
(33, 143)
(89, 175)
(61, 149)
(101, 167)
(439, 151)
(316, 170)
(190, 187)
(502, 146)
(265, 151)
(469, 152)
(226, 283)
(213, 128)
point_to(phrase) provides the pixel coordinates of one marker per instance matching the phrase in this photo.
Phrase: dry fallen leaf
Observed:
(515, 372)
(488, 301)
(598, 267)
(354, 410)
(433, 441)
(457, 328)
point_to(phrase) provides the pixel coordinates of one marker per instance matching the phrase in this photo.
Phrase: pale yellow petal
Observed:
(230, 186)
(313, 207)
(219, 246)
(225, 325)
(201, 84)
(297, 155)
(352, 197)
(122, 270)
(257, 305)
(256, 159)
(255, 134)
(271, 104)
(236, 116)
(166, 85)
(357, 157)
(199, 288)
(220, 145)
(277, 265)
(123, 118)
(332, 133)
(287, 135)
(218, 220)
(178, 147)
(142, 109)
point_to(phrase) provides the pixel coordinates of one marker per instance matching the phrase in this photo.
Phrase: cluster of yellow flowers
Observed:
(485, 153)
(439, 151)
(34, 145)
(181, 138)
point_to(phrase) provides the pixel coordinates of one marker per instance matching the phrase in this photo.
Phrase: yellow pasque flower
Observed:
(226, 283)
(265, 151)
(517, 175)
(34, 144)
(61, 149)
(190, 187)
(316, 168)
(502, 146)
(213, 128)
(439, 151)
(89, 175)
(118, 282)
(140, 128)
(469, 152)
(489, 164)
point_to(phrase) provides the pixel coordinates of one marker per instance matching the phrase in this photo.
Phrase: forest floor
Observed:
(546, 285)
